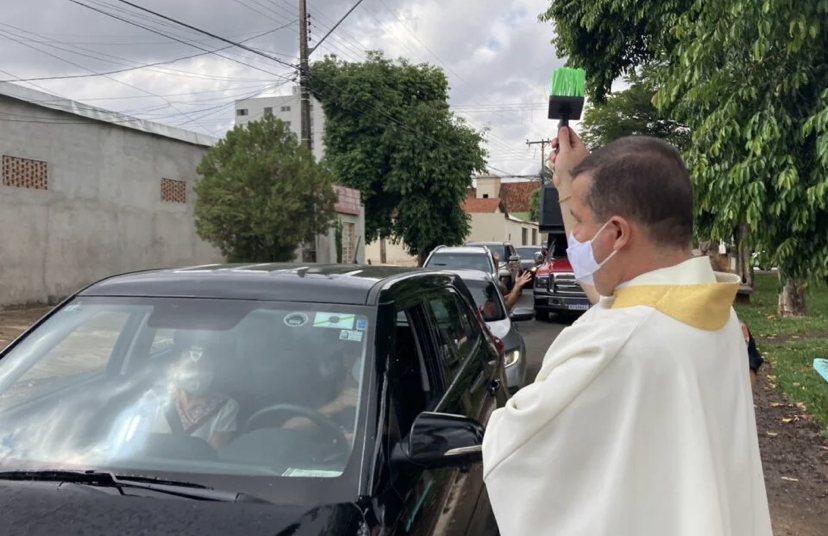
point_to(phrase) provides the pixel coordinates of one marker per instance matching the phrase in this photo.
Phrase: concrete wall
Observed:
(326, 244)
(488, 186)
(102, 213)
(395, 254)
(497, 227)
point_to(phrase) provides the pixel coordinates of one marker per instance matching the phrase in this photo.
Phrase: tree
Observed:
(610, 38)
(632, 112)
(261, 194)
(389, 133)
(534, 205)
(751, 80)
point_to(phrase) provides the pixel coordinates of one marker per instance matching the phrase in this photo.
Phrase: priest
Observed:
(640, 421)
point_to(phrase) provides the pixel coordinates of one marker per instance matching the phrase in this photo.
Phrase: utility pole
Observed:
(542, 143)
(304, 75)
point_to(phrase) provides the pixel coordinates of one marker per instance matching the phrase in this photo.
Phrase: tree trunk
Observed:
(383, 257)
(792, 298)
(421, 258)
(743, 265)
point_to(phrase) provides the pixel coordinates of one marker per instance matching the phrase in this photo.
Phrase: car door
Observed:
(477, 388)
(513, 259)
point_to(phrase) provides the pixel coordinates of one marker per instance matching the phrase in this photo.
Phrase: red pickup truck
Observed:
(555, 289)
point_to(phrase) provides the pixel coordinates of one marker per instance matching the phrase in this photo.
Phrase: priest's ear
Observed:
(621, 231)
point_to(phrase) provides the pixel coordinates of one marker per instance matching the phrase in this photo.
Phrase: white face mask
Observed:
(582, 258)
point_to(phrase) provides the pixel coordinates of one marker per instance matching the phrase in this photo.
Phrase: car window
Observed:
(487, 298)
(459, 261)
(193, 389)
(455, 328)
(83, 348)
(512, 252)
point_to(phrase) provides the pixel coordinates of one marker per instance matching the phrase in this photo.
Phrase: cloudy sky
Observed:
(496, 54)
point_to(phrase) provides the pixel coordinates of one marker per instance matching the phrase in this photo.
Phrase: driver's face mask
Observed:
(192, 376)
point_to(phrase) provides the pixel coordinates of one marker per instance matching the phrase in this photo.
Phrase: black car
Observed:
(251, 400)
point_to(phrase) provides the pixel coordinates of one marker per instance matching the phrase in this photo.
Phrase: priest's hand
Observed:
(572, 152)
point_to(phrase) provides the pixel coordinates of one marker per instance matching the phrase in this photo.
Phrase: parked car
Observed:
(555, 289)
(465, 258)
(527, 256)
(502, 324)
(347, 401)
(508, 260)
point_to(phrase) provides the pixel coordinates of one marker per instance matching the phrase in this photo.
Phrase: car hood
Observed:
(49, 508)
(555, 265)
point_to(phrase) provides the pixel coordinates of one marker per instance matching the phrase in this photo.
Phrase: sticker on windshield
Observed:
(295, 320)
(362, 324)
(348, 335)
(319, 473)
(333, 320)
(72, 308)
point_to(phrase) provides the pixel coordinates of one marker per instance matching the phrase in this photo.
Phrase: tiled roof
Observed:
(516, 195)
(474, 205)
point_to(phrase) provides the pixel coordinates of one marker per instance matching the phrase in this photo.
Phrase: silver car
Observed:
(489, 300)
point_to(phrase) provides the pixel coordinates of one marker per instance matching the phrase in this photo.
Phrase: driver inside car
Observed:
(192, 409)
(343, 372)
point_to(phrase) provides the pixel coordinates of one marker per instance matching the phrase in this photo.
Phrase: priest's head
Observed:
(632, 201)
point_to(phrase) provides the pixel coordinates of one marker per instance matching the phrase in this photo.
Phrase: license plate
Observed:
(578, 306)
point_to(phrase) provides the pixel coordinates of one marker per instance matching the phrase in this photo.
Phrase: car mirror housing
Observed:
(514, 258)
(538, 258)
(522, 314)
(441, 440)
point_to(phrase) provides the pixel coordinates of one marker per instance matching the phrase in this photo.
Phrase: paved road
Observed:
(538, 336)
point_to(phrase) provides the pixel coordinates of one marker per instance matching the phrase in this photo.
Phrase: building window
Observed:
(241, 112)
(25, 173)
(268, 110)
(485, 196)
(534, 237)
(287, 124)
(524, 236)
(173, 191)
(309, 252)
(285, 109)
(348, 241)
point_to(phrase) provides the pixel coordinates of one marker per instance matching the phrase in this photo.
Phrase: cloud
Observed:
(497, 57)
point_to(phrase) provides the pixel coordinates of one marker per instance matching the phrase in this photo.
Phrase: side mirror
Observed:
(441, 440)
(514, 258)
(538, 258)
(522, 314)
(504, 274)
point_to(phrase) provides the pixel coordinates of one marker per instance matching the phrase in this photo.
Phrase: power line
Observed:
(210, 34)
(133, 23)
(174, 72)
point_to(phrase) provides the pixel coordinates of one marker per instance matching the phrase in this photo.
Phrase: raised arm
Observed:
(572, 152)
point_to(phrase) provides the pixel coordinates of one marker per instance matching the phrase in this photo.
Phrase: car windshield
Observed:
(460, 261)
(527, 253)
(201, 386)
(487, 300)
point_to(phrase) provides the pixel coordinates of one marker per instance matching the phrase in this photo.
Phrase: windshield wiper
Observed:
(188, 490)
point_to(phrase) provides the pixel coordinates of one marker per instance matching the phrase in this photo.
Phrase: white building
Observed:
(287, 108)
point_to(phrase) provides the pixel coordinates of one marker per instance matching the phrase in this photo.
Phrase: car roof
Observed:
(473, 275)
(464, 250)
(505, 243)
(321, 283)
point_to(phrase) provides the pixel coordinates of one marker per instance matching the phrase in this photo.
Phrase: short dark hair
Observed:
(643, 179)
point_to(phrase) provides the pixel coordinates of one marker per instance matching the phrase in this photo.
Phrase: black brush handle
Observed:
(564, 122)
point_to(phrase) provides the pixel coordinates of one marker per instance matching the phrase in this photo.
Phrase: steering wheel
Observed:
(322, 421)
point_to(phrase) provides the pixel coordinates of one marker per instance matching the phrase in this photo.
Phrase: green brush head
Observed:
(568, 82)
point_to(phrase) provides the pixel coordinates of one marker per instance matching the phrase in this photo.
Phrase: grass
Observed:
(792, 344)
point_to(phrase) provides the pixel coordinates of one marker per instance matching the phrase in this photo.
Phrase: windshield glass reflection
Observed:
(193, 386)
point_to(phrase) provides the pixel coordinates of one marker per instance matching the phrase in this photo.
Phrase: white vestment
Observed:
(640, 422)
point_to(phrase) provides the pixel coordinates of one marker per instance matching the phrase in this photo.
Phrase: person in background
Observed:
(721, 264)
(511, 298)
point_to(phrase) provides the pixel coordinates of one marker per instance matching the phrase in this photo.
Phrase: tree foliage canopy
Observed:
(632, 112)
(609, 38)
(261, 194)
(389, 132)
(750, 80)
